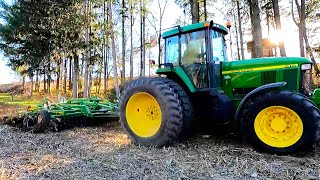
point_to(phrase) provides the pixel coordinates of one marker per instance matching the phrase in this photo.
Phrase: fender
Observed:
(253, 92)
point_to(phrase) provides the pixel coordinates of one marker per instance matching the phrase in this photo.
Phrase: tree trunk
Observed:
(36, 88)
(23, 82)
(58, 75)
(107, 63)
(31, 87)
(240, 31)
(44, 80)
(277, 20)
(123, 80)
(90, 81)
(142, 39)
(303, 32)
(237, 35)
(49, 80)
(301, 41)
(301, 13)
(65, 77)
(131, 42)
(309, 52)
(194, 6)
(302, 28)
(75, 75)
(256, 28)
(86, 62)
(99, 79)
(205, 9)
(70, 73)
(306, 40)
(105, 46)
(116, 84)
(105, 75)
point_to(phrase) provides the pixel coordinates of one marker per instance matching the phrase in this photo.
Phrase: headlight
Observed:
(305, 66)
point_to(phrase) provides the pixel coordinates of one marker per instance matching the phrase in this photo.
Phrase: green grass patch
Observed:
(19, 100)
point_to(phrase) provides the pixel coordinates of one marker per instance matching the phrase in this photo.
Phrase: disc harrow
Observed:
(60, 116)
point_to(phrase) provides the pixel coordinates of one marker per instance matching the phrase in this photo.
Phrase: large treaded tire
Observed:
(186, 104)
(171, 110)
(306, 109)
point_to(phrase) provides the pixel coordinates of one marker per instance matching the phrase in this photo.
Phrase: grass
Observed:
(19, 101)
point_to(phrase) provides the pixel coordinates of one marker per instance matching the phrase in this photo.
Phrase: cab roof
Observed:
(175, 30)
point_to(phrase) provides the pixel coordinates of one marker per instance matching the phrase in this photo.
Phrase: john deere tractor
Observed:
(269, 101)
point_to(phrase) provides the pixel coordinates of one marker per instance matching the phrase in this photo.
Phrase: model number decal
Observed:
(261, 68)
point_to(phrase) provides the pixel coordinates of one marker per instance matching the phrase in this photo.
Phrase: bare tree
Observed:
(75, 75)
(105, 48)
(114, 54)
(256, 28)
(240, 30)
(277, 20)
(65, 77)
(301, 23)
(123, 79)
(87, 59)
(162, 9)
(142, 37)
(131, 39)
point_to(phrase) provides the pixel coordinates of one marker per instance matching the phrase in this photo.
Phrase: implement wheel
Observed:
(280, 122)
(42, 121)
(150, 112)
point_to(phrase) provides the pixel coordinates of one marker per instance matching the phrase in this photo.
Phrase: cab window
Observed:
(172, 50)
(193, 47)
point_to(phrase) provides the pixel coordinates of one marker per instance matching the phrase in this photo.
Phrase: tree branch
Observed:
(292, 13)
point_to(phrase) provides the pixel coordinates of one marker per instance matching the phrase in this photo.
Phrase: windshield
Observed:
(219, 48)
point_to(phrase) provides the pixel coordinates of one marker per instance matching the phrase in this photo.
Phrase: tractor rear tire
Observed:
(186, 104)
(280, 122)
(150, 112)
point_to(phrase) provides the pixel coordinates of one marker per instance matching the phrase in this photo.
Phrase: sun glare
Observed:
(290, 39)
(276, 36)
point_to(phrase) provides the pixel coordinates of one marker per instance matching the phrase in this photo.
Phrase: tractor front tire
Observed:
(280, 122)
(150, 112)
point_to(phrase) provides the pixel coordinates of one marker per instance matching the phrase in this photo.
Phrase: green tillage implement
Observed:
(59, 116)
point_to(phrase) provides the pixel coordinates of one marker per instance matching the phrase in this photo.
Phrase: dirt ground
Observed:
(106, 153)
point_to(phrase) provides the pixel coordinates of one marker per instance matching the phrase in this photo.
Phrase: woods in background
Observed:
(79, 47)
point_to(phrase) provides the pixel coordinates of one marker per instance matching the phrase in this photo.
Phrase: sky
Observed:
(290, 37)
(6, 74)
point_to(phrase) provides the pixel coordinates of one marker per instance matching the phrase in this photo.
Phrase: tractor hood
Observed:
(262, 64)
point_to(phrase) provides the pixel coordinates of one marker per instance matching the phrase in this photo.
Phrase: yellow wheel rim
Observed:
(278, 126)
(143, 114)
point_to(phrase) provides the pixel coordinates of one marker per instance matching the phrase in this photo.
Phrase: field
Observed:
(105, 152)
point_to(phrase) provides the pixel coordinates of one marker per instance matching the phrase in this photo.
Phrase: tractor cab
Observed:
(198, 50)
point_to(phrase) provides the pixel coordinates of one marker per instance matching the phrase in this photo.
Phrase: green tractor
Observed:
(268, 101)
